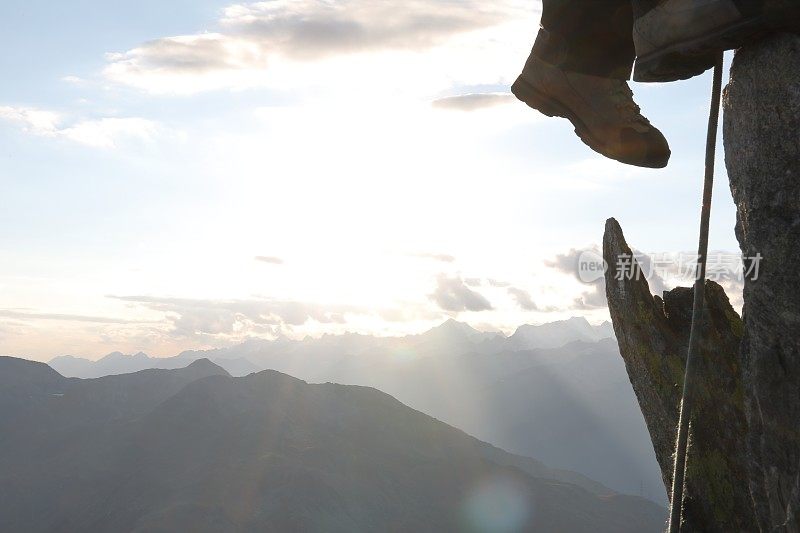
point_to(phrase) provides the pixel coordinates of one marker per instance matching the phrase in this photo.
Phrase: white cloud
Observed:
(473, 102)
(316, 28)
(191, 317)
(453, 295)
(64, 317)
(269, 259)
(99, 133)
(107, 132)
(252, 38)
(523, 299)
(36, 121)
(444, 258)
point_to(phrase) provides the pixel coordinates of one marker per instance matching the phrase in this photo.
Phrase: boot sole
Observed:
(692, 57)
(535, 99)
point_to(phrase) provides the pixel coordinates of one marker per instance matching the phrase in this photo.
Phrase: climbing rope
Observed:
(679, 470)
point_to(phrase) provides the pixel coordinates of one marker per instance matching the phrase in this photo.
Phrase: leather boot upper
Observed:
(603, 112)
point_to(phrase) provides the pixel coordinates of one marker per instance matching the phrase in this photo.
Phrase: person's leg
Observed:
(682, 38)
(641, 7)
(591, 38)
(578, 70)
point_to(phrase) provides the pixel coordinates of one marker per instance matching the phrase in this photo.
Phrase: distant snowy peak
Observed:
(113, 363)
(455, 332)
(559, 333)
(70, 366)
(117, 363)
(606, 330)
(119, 356)
(449, 339)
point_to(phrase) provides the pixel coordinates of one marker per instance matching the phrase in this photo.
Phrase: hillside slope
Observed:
(269, 452)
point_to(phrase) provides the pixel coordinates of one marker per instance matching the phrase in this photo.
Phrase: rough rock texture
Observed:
(653, 336)
(744, 457)
(762, 153)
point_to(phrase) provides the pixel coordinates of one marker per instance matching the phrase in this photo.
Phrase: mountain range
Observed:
(195, 449)
(558, 392)
(451, 337)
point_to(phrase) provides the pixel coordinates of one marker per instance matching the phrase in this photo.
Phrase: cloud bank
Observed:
(269, 259)
(98, 133)
(25, 315)
(453, 295)
(444, 258)
(202, 317)
(251, 36)
(473, 102)
(523, 299)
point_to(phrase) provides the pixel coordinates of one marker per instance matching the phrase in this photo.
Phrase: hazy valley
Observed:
(195, 449)
(557, 392)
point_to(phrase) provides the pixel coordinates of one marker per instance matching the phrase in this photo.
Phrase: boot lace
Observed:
(623, 100)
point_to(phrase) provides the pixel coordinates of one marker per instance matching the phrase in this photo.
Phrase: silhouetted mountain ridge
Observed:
(269, 452)
(556, 334)
(446, 339)
(571, 406)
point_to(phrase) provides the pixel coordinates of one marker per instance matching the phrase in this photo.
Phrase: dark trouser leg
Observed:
(587, 36)
(590, 36)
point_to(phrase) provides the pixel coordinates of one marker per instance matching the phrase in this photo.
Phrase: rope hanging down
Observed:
(679, 470)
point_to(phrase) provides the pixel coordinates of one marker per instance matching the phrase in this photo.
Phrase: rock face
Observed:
(762, 153)
(653, 336)
(744, 457)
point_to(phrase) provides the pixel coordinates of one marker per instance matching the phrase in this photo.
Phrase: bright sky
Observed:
(183, 174)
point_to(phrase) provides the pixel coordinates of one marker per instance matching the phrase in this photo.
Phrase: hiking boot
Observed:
(679, 39)
(602, 110)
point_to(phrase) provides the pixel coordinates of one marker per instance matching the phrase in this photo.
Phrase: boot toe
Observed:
(648, 149)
